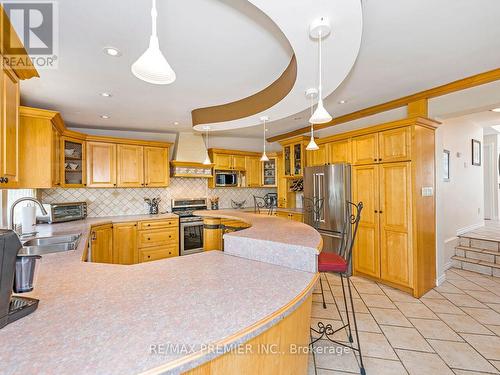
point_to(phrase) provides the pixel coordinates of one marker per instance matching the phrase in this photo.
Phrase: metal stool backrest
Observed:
(263, 203)
(313, 207)
(351, 223)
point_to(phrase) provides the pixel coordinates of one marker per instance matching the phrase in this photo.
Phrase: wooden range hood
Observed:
(189, 153)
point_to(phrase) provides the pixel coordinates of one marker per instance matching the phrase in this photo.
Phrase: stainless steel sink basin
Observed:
(52, 240)
(48, 245)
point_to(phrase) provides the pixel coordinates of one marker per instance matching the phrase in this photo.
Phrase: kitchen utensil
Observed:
(25, 273)
(69, 152)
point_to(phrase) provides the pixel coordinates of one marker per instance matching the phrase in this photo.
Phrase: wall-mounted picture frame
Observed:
(446, 165)
(476, 152)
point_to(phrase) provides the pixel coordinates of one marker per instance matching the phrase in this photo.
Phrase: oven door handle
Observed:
(192, 224)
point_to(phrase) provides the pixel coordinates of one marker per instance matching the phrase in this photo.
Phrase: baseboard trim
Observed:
(441, 279)
(470, 228)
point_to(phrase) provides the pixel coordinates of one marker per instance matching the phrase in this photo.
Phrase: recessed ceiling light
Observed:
(496, 127)
(342, 101)
(495, 109)
(106, 94)
(176, 122)
(112, 51)
(105, 117)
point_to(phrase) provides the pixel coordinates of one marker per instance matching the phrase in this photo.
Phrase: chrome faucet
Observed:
(11, 217)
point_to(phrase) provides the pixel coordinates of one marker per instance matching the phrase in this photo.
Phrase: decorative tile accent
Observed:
(130, 201)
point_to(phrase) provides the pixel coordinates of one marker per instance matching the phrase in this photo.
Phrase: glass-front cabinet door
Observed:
(73, 162)
(297, 159)
(269, 172)
(287, 160)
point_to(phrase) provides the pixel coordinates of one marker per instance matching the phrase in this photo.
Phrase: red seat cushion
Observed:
(331, 262)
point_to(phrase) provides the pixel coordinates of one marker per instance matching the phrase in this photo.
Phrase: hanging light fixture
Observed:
(207, 158)
(152, 67)
(320, 29)
(311, 94)
(264, 157)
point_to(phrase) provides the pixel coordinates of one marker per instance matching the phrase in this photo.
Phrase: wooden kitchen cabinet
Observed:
(73, 165)
(365, 149)
(158, 239)
(339, 152)
(294, 156)
(295, 216)
(366, 251)
(395, 145)
(239, 162)
(101, 164)
(282, 184)
(252, 167)
(101, 244)
(158, 253)
(9, 126)
(156, 167)
(130, 165)
(222, 161)
(396, 254)
(269, 172)
(317, 157)
(125, 243)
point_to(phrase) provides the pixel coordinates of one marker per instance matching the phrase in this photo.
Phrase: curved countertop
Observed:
(156, 317)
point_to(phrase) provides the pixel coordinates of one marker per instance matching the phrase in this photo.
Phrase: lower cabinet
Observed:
(214, 230)
(134, 242)
(295, 216)
(101, 244)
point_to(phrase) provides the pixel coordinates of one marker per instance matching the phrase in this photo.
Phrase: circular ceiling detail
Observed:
(285, 96)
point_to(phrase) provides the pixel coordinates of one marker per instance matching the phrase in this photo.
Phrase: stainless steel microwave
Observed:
(60, 212)
(226, 178)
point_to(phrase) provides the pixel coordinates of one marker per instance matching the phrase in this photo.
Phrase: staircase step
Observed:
(477, 250)
(476, 261)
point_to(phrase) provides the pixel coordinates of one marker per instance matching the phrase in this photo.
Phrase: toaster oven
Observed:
(60, 212)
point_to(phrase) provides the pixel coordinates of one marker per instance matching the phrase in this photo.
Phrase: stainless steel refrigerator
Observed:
(330, 185)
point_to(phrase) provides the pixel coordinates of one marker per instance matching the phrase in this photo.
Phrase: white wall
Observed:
(491, 176)
(459, 202)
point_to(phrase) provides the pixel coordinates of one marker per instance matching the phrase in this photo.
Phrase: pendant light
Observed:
(320, 29)
(264, 157)
(207, 158)
(152, 67)
(311, 94)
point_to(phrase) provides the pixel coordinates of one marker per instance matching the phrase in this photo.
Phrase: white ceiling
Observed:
(229, 50)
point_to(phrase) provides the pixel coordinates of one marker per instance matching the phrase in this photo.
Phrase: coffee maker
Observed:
(16, 274)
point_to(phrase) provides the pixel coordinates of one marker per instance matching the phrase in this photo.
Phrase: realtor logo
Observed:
(35, 23)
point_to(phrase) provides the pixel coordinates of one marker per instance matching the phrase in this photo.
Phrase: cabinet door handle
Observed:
(2, 180)
(149, 225)
(149, 239)
(375, 159)
(376, 211)
(94, 236)
(379, 159)
(380, 212)
(6, 179)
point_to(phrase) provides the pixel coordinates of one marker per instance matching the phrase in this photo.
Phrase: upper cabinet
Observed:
(101, 164)
(72, 165)
(339, 151)
(317, 157)
(252, 167)
(156, 170)
(294, 157)
(382, 147)
(269, 176)
(225, 161)
(9, 125)
(130, 166)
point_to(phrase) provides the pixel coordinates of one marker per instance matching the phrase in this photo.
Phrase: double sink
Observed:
(48, 245)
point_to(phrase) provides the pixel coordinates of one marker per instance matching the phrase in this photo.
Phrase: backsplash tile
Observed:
(130, 201)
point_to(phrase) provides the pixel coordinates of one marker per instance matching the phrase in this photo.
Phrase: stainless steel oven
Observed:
(190, 226)
(226, 178)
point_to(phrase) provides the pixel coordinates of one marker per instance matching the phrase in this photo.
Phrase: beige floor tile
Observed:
(359, 279)
(494, 306)
(331, 372)
(319, 312)
(332, 357)
(464, 324)
(464, 300)
(399, 296)
(337, 292)
(365, 288)
(494, 329)
(328, 297)
(406, 338)
(432, 294)
(485, 297)
(488, 346)
(446, 287)
(376, 345)
(389, 317)
(442, 306)
(452, 275)
(423, 363)
(485, 316)
(464, 372)
(435, 329)
(366, 323)
(461, 355)
(333, 279)
(496, 364)
(377, 366)
(415, 310)
(359, 305)
(466, 285)
(376, 300)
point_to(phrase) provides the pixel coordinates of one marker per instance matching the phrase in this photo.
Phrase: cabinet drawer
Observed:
(154, 224)
(158, 237)
(148, 255)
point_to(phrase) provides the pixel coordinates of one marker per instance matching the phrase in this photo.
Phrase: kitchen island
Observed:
(201, 313)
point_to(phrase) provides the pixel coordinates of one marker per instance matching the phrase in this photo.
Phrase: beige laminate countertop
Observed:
(116, 319)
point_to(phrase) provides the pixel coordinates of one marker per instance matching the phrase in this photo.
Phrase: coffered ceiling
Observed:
(225, 50)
